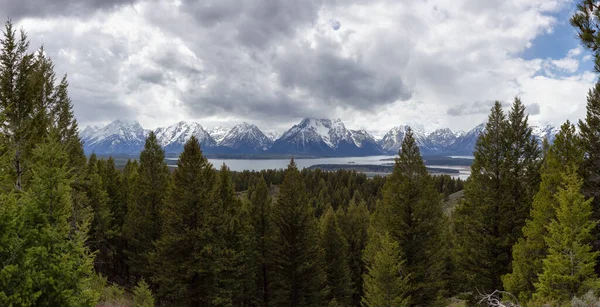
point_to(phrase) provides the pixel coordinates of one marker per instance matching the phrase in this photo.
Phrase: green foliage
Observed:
(188, 251)
(411, 211)
(386, 283)
(354, 224)
(297, 257)
(528, 253)
(585, 20)
(101, 226)
(336, 251)
(262, 225)
(142, 296)
(568, 270)
(49, 268)
(498, 197)
(143, 221)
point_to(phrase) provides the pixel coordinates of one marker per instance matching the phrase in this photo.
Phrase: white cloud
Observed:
(391, 62)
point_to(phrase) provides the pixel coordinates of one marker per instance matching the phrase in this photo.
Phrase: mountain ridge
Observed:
(311, 137)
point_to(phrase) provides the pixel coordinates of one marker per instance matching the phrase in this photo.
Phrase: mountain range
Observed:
(310, 137)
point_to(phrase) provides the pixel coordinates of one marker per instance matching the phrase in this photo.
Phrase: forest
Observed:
(78, 231)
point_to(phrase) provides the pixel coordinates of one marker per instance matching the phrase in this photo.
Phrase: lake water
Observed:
(262, 164)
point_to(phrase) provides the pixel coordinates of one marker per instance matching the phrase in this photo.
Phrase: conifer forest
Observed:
(77, 230)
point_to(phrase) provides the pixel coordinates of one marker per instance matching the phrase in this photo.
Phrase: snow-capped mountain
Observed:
(548, 132)
(315, 137)
(218, 133)
(174, 137)
(123, 137)
(465, 143)
(246, 138)
(321, 137)
(273, 135)
(392, 141)
(441, 139)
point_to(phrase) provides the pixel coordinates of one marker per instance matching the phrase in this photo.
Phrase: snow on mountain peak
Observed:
(218, 133)
(246, 136)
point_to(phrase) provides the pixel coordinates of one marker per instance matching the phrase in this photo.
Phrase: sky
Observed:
(373, 63)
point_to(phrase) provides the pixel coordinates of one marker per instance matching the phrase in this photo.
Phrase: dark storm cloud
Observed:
(17, 9)
(340, 81)
(224, 97)
(474, 108)
(256, 23)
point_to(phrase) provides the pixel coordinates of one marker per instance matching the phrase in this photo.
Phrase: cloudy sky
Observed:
(373, 63)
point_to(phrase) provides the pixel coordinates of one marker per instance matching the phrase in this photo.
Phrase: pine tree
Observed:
(528, 253)
(354, 223)
(143, 222)
(262, 224)
(53, 269)
(336, 259)
(585, 20)
(483, 222)
(386, 283)
(100, 231)
(411, 211)
(522, 179)
(568, 270)
(112, 183)
(65, 125)
(187, 251)
(16, 99)
(299, 279)
(236, 277)
(142, 296)
(590, 169)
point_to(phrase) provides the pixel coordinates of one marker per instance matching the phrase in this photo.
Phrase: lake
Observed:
(262, 164)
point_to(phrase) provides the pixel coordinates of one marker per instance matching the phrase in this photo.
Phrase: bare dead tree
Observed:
(494, 299)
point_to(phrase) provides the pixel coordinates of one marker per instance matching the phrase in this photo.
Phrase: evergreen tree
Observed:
(262, 224)
(590, 169)
(568, 270)
(411, 211)
(100, 231)
(297, 258)
(16, 99)
(354, 223)
(143, 222)
(187, 252)
(129, 196)
(112, 184)
(142, 296)
(50, 268)
(65, 125)
(528, 253)
(585, 20)
(386, 284)
(497, 198)
(236, 277)
(522, 179)
(336, 259)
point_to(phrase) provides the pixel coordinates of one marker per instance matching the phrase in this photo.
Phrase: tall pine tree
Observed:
(16, 100)
(143, 221)
(568, 270)
(262, 225)
(411, 211)
(337, 269)
(498, 197)
(187, 251)
(386, 283)
(52, 268)
(354, 223)
(528, 253)
(299, 278)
